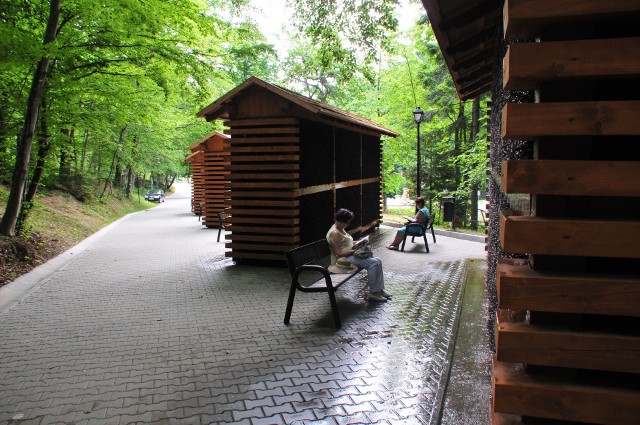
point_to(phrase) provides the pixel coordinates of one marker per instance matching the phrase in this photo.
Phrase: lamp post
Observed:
(417, 117)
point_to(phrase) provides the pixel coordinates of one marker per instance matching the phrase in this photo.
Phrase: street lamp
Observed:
(417, 117)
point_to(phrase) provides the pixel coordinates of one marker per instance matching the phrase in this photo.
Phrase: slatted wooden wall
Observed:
(216, 157)
(575, 355)
(196, 166)
(263, 171)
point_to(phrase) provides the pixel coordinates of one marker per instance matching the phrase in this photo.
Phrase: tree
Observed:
(21, 169)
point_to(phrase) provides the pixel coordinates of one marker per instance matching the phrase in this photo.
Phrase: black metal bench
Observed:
(311, 260)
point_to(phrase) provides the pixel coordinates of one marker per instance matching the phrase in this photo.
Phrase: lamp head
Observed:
(417, 115)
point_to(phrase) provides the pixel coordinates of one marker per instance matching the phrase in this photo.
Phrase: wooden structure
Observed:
(196, 168)
(209, 178)
(568, 328)
(292, 162)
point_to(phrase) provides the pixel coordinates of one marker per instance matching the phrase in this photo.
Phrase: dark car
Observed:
(154, 195)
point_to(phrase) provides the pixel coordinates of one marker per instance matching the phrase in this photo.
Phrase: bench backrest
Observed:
(306, 254)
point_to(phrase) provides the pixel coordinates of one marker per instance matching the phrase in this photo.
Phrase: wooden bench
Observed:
(308, 268)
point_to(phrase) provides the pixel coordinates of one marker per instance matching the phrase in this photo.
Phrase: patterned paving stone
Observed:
(140, 326)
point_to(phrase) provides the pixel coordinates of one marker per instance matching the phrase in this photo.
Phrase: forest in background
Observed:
(99, 98)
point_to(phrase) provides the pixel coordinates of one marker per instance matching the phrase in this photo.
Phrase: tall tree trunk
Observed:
(114, 161)
(23, 154)
(44, 147)
(475, 185)
(65, 161)
(134, 155)
(84, 150)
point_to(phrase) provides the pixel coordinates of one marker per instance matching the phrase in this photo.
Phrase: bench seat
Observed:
(308, 268)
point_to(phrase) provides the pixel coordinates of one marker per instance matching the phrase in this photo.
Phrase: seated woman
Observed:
(342, 246)
(422, 215)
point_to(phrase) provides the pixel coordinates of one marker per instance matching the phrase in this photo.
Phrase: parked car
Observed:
(154, 195)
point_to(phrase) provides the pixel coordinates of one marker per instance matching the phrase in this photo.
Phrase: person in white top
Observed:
(342, 246)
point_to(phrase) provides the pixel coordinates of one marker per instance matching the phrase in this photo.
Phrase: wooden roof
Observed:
(197, 145)
(324, 111)
(469, 34)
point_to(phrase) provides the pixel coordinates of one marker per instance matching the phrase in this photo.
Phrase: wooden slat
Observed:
(531, 120)
(526, 64)
(523, 18)
(263, 158)
(593, 238)
(257, 247)
(267, 148)
(236, 211)
(264, 176)
(255, 256)
(557, 347)
(262, 130)
(293, 203)
(253, 122)
(258, 140)
(251, 193)
(521, 288)
(505, 419)
(261, 221)
(263, 167)
(244, 229)
(579, 178)
(518, 393)
(261, 185)
(291, 241)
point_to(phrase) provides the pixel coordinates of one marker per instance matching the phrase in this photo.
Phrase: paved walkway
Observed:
(148, 322)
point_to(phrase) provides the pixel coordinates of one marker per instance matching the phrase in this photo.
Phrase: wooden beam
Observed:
(292, 203)
(262, 130)
(261, 185)
(255, 256)
(292, 241)
(262, 167)
(610, 118)
(255, 122)
(558, 236)
(523, 18)
(576, 178)
(256, 140)
(522, 288)
(515, 392)
(309, 190)
(263, 211)
(559, 347)
(284, 231)
(263, 158)
(264, 148)
(264, 176)
(527, 64)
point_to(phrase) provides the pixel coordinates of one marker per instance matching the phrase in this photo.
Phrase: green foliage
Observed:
(127, 78)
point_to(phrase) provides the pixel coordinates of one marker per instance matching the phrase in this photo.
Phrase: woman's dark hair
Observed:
(344, 215)
(420, 200)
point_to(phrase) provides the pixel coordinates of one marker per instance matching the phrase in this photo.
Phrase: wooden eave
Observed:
(469, 34)
(324, 112)
(192, 157)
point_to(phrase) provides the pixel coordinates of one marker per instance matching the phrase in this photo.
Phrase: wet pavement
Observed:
(148, 322)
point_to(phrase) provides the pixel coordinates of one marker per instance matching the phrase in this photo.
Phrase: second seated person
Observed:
(422, 215)
(342, 246)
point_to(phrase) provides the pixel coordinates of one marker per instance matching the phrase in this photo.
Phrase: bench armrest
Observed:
(311, 268)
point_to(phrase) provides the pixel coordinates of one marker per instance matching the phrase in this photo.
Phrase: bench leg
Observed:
(334, 307)
(292, 295)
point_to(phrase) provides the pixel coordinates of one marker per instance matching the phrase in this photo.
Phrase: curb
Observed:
(447, 233)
